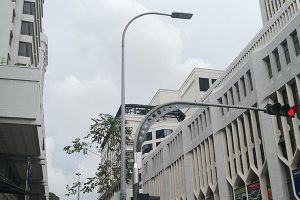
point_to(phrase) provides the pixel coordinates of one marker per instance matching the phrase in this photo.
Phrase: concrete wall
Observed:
(20, 92)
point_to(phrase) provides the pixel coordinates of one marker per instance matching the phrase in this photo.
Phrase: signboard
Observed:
(254, 192)
(240, 193)
(296, 178)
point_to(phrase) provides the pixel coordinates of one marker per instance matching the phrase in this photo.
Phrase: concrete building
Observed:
(134, 115)
(23, 61)
(192, 89)
(226, 154)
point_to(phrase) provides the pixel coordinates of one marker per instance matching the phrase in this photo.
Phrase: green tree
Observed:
(104, 129)
(52, 196)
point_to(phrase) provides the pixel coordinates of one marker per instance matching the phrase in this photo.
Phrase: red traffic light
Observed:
(292, 111)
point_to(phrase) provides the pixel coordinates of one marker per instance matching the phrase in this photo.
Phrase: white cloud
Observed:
(57, 178)
(83, 77)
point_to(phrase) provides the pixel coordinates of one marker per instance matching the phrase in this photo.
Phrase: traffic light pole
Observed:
(158, 112)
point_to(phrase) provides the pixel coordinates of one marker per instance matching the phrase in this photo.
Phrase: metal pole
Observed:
(161, 110)
(123, 156)
(78, 188)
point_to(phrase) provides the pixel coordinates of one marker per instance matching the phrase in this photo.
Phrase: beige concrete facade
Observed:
(235, 154)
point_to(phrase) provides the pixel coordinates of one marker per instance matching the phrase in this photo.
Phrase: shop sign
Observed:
(240, 193)
(254, 192)
(296, 178)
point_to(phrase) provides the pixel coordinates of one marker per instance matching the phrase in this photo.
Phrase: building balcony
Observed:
(20, 95)
(21, 126)
(20, 111)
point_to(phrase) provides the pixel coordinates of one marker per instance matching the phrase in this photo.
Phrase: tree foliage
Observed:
(52, 196)
(104, 129)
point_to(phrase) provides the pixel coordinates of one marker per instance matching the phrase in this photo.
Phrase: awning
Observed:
(7, 186)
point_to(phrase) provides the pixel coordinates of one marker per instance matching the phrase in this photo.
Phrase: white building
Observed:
(195, 85)
(191, 90)
(235, 154)
(23, 61)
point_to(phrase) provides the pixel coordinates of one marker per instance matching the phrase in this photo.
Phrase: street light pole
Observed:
(178, 15)
(78, 189)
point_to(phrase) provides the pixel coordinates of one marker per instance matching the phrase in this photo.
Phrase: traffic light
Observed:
(285, 110)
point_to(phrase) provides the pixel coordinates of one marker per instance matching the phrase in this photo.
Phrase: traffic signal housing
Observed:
(279, 110)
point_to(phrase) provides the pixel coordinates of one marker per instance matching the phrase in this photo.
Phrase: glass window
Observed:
(27, 28)
(226, 101)
(160, 134)
(25, 49)
(250, 79)
(213, 80)
(244, 85)
(8, 59)
(147, 148)
(157, 143)
(268, 64)
(221, 102)
(296, 42)
(163, 133)
(149, 136)
(13, 16)
(203, 84)
(286, 51)
(231, 95)
(236, 86)
(276, 55)
(10, 37)
(295, 93)
(168, 132)
(28, 8)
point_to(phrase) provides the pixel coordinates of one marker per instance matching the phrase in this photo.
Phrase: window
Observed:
(286, 52)
(221, 102)
(10, 38)
(226, 101)
(296, 42)
(231, 95)
(28, 8)
(236, 86)
(157, 143)
(244, 85)
(8, 59)
(149, 136)
(163, 133)
(204, 117)
(167, 132)
(27, 28)
(203, 84)
(147, 148)
(276, 55)
(25, 49)
(13, 16)
(268, 64)
(296, 95)
(250, 79)
(160, 134)
(213, 80)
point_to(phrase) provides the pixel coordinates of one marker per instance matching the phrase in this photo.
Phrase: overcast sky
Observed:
(83, 76)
